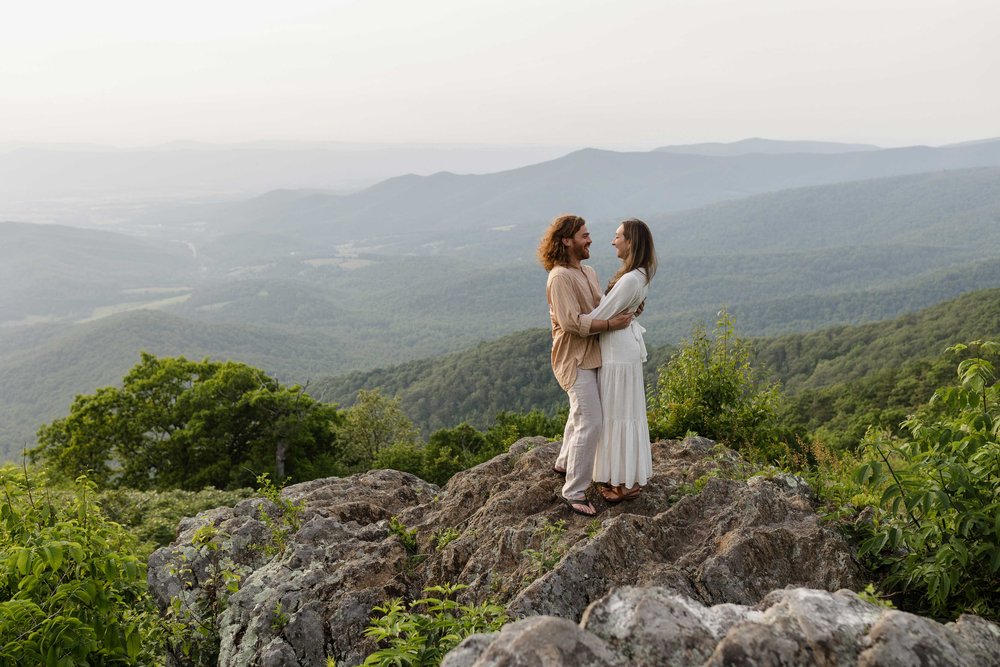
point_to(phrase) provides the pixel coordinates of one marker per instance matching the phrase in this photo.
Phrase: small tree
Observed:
(185, 424)
(708, 387)
(373, 424)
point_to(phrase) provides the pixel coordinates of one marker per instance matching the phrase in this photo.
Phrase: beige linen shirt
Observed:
(572, 294)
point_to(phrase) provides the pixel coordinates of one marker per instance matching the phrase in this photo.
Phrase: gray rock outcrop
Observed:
(698, 530)
(653, 627)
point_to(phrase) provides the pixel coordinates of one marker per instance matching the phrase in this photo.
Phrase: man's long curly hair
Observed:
(642, 252)
(551, 251)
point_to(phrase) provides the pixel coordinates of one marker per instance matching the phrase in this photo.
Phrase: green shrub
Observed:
(421, 633)
(708, 387)
(408, 538)
(509, 427)
(938, 531)
(72, 590)
(283, 521)
(402, 456)
(152, 516)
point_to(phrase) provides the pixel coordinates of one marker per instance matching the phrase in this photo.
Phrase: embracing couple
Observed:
(597, 355)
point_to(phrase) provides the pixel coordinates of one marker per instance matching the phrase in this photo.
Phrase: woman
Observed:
(624, 462)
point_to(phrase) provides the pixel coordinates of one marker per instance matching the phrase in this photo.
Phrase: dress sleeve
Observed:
(618, 299)
(565, 309)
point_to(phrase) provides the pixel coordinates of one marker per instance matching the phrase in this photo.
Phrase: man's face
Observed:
(578, 246)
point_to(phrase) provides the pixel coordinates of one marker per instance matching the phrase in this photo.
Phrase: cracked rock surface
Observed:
(723, 541)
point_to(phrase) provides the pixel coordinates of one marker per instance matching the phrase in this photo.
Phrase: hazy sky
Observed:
(610, 73)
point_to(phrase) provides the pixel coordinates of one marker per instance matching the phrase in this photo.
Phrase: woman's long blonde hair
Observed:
(641, 253)
(551, 250)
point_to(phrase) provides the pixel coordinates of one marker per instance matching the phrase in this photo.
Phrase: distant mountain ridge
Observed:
(88, 173)
(766, 146)
(425, 214)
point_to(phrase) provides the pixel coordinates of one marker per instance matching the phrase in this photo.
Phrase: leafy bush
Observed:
(938, 531)
(709, 388)
(829, 472)
(509, 427)
(451, 450)
(152, 516)
(421, 633)
(72, 590)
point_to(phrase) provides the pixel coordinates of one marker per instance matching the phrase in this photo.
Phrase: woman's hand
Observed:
(620, 321)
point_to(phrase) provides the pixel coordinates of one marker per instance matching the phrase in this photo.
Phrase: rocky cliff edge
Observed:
(705, 567)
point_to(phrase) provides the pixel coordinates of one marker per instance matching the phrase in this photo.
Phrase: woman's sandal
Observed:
(611, 494)
(630, 494)
(577, 505)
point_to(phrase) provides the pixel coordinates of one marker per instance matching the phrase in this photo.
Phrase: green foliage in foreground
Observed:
(938, 527)
(72, 590)
(708, 387)
(421, 633)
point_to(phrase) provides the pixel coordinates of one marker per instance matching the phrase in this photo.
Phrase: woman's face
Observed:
(621, 244)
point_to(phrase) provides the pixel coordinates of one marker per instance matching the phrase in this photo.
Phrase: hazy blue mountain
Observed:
(87, 184)
(766, 146)
(475, 214)
(803, 243)
(944, 209)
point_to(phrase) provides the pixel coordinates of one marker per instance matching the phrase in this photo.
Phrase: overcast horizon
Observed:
(624, 75)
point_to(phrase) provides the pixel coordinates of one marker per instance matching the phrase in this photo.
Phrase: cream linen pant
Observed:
(582, 433)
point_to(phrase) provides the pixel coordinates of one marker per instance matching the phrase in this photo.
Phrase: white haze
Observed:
(616, 74)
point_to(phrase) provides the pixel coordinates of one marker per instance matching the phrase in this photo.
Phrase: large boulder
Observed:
(654, 627)
(700, 529)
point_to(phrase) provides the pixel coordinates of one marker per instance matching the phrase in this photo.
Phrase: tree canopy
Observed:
(176, 423)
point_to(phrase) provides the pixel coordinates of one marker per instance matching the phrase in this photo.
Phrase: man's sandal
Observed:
(561, 473)
(578, 506)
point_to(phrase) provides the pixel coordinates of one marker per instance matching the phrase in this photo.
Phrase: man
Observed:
(572, 291)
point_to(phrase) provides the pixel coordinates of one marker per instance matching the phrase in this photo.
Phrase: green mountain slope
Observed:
(847, 353)
(51, 271)
(513, 373)
(948, 209)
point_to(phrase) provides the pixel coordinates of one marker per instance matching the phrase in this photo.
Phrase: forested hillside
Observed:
(55, 273)
(890, 365)
(782, 262)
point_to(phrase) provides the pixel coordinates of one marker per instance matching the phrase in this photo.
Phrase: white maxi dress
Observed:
(623, 452)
